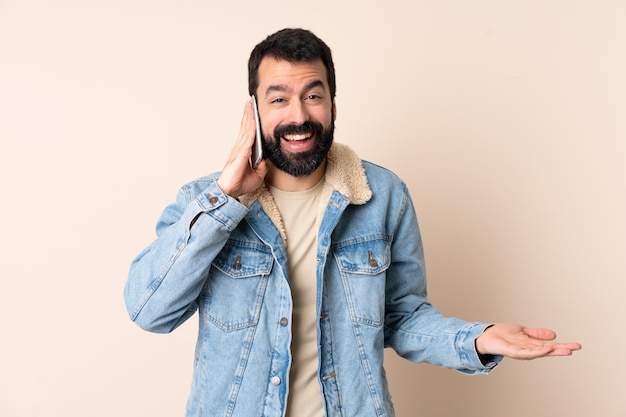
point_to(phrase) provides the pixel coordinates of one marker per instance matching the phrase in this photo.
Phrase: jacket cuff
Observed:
(230, 212)
(466, 347)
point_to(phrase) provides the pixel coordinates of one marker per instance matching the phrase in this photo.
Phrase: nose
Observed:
(298, 113)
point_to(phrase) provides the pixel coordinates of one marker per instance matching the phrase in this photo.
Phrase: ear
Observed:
(334, 110)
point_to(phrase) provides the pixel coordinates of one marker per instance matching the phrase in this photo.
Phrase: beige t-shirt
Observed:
(299, 213)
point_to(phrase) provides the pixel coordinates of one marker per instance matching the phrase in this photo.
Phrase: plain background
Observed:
(504, 117)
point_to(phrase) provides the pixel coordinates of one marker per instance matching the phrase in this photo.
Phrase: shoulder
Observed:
(381, 178)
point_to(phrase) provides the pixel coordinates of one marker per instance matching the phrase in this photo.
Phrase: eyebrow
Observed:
(284, 88)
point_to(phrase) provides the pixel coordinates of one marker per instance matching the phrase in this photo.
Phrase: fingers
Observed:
(559, 349)
(543, 338)
(243, 144)
(247, 130)
(538, 333)
(237, 176)
(564, 349)
(540, 345)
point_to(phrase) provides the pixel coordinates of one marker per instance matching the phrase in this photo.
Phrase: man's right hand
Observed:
(238, 177)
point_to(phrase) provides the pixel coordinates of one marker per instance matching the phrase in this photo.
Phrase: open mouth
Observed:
(297, 137)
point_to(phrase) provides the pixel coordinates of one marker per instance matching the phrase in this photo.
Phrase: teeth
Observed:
(301, 136)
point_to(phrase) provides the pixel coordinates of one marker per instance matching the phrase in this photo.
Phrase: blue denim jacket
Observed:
(226, 259)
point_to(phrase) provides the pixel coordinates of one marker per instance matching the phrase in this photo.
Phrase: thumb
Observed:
(540, 334)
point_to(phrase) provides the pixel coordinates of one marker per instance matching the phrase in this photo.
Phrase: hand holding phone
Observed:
(257, 149)
(236, 179)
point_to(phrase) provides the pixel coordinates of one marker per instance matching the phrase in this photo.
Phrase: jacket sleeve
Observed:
(166, 278)
(413, 327)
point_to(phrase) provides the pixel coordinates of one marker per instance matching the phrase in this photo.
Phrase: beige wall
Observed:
(506, 119)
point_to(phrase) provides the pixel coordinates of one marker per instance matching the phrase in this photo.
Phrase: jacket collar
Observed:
(344, 174)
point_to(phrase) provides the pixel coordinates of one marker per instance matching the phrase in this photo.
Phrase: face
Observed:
(297, 114)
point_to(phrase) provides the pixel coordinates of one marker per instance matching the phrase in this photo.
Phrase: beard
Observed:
(302, 163)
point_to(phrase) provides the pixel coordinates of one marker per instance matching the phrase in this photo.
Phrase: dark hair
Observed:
(291, 45)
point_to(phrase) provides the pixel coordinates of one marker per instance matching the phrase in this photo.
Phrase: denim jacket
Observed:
(226, 259)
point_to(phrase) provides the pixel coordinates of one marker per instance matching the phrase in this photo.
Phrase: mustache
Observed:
(295, 129)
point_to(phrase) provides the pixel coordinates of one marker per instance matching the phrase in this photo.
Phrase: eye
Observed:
(313, 97)
(278, 100)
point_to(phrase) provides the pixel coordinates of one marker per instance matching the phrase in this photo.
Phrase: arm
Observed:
(413, 327)
(420, 333)
(166, 278)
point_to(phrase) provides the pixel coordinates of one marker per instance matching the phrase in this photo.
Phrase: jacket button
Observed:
(275, 381)
(284, 321)
(372, 261)
(212, 198)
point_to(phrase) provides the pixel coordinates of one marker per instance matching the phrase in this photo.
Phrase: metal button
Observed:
(372, 261)
(284, 321)
(275, 380)
(326, 377)
(237, 264)
(213, 200)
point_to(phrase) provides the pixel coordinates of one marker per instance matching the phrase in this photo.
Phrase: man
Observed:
(305, 268)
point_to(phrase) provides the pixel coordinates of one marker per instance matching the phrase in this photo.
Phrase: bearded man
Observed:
(304, 268)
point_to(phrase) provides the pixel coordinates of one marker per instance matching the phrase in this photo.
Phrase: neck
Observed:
(285, 182)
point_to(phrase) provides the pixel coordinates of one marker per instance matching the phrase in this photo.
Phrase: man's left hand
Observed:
(519, 342)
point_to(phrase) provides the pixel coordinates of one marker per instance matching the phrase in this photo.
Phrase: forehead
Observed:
(292, 75)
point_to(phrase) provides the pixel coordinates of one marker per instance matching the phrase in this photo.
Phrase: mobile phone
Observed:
(257, 149)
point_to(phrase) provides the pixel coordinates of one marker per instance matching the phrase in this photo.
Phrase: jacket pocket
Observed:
(235, 288)
(362, 266)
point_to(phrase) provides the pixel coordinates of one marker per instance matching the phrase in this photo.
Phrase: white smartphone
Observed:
(257, 149)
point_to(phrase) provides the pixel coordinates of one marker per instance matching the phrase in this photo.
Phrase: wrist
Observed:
(224, 188)
(479, 345)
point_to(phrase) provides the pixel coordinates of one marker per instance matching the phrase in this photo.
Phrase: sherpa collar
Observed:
(344, 174)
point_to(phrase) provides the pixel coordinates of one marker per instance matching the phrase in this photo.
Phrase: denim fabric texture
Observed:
(226, 259)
